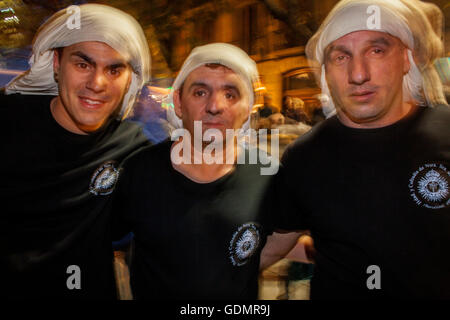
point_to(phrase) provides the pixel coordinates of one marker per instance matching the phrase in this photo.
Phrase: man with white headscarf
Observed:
(199, 225)
(63, 140)
(372, 182)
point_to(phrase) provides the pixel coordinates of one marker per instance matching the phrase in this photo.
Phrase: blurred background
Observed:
(273, 32)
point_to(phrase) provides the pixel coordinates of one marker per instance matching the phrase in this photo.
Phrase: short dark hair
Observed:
(60, 52)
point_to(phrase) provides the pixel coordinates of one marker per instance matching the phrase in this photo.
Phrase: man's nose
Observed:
(97, 81)
(358, 71)
(216, 104)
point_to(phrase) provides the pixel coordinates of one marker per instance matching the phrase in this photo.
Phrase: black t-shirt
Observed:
(373, 197)
(192, 240)
(54, 192)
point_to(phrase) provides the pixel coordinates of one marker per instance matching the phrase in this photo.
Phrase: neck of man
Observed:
(221, 162)
(394, 114)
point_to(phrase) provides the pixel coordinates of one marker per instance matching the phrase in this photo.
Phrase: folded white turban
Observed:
(224, 54)
(97, 23)
(417, 24)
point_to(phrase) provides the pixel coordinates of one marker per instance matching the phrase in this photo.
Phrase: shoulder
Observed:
(439, 114)
(128, 127)
(145, 164)
(313, 140)
(24, 112)
(22, 102)
(127, 135)
(434, 123)
(11, 99)
(148, 157)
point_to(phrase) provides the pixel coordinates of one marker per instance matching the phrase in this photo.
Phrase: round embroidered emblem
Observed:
(429, 186)
(244, 243)
(104, 179)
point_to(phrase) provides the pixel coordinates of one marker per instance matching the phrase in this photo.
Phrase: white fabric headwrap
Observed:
(404, 19)
(216, 53)
(97, 23)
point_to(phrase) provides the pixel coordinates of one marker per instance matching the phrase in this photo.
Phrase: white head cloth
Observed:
(97, 23)
(216, 53)
(408, 20)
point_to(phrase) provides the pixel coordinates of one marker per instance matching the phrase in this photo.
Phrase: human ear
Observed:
(177, 103)
(56, 64)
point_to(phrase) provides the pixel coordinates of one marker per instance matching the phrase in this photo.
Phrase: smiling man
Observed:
(62, 141)
(200, 227)
(372, 182)
(93, 79)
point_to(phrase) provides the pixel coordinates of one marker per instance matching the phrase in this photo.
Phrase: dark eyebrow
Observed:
(91, 61)
(118, 65)
(84, 57)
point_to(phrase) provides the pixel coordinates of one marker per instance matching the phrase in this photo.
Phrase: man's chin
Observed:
(91, 127)
(360, 115)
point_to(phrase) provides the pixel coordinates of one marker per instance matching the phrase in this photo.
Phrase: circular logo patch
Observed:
(244, 243)
(104, 179)
(429, 186)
